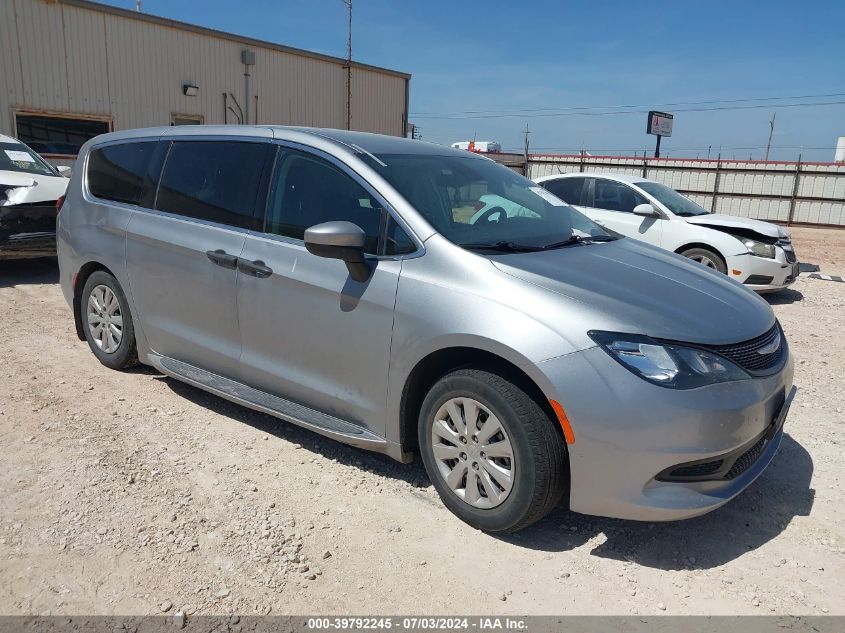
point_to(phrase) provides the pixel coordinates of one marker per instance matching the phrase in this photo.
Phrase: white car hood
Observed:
(25, 188)
(734, 222)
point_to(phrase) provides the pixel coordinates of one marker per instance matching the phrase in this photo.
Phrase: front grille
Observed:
(790, 256)
(747, 355)
(696, 470)
(759, 280)
(747, 459)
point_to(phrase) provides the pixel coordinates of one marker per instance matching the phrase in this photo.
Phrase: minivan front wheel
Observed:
(107, 322)
(491, 451)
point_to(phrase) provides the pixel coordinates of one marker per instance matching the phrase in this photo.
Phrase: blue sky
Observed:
(494, 55)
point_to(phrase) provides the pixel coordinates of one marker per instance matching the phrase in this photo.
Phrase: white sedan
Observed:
(755, 253)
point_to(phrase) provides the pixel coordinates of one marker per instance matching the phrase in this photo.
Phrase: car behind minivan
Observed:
(345, 282)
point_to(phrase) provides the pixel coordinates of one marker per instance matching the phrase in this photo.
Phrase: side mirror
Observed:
(646, 210)
(64, 170)
(340, 240)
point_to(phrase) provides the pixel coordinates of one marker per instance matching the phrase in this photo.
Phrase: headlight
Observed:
(667, 364)
(759, 248)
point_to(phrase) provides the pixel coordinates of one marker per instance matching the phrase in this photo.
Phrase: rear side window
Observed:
(117, 172)
(218, 181)
(567, 189)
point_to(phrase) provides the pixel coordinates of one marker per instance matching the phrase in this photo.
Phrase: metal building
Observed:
(72, 69)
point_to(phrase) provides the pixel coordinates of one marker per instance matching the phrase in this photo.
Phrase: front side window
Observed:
(306, 190)
(117, 172)
(218, 181)
(615, 196)
(20, 158)
(473, 201)
(672, 200)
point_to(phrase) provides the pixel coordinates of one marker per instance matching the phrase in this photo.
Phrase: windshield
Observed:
(475, 202)
(672, 200)
(18, 157)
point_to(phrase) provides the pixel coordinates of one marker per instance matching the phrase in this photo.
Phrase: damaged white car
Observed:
(30, 194)
(755, 253)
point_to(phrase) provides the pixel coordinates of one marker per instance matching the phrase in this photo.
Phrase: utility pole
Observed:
(771, 132)
(526, 169)
(348, 4)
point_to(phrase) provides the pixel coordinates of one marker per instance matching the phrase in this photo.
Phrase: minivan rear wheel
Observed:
(107, 322)
(491, 452)
(707, 258)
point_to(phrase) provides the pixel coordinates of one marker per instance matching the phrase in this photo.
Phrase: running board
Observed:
(303, 416)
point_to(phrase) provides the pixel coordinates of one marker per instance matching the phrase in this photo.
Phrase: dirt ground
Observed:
(131, 493)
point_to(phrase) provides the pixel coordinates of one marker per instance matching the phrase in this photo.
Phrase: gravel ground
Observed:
(131, 493)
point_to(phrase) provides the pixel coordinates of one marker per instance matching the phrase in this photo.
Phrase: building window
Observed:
(186, 119)
(57, 135)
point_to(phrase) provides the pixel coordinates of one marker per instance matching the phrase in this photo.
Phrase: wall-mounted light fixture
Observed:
(190, 90)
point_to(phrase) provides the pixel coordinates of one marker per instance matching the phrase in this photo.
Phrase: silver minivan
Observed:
(345, 282)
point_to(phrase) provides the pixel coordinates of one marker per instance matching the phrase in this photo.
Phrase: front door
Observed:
(611, 204)
(310, 333)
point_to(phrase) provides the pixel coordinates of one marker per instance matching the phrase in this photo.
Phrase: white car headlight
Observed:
(668, 364)
(760, 249)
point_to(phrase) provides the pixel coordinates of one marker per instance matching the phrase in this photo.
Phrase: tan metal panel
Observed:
(85, 55)
(10, 65)
(41, 37)
(378, 102)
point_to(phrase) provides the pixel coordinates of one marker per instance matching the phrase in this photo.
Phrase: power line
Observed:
(586, 111)
(685, 149)
(640, 105)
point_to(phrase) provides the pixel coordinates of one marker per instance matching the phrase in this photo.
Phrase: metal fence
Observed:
(783, 192)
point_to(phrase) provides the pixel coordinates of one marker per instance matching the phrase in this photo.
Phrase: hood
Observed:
(20, 188)
(629, 286)
(717, 220)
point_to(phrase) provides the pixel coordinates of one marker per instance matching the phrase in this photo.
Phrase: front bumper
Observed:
(28, 245)
(762, 273)
(629, 433)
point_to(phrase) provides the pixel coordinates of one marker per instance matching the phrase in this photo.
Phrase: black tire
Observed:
(126, 354)
(718, 262)
(540, 463)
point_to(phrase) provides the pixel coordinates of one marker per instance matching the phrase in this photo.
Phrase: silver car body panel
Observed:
(312, 346)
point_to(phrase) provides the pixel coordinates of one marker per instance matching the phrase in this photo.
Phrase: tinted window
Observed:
(217, 181)
(567, 189)
(56, 135)
(306, 190)
(615, 196)
(116, 172)
(397, 241)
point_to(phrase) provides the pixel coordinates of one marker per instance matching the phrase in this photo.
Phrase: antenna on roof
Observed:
(138, 6)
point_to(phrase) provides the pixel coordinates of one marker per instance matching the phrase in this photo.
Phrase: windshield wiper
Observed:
(577, 239)
(505, 247)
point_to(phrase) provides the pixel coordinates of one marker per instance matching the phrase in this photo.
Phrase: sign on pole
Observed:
(659, 124)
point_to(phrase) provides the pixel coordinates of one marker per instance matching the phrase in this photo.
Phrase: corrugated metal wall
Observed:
(752, 189)
(66, 58)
